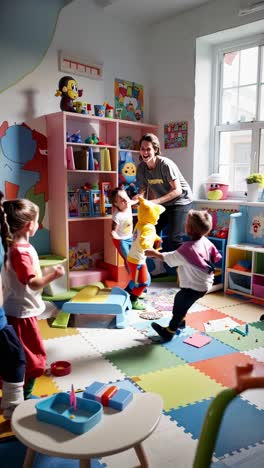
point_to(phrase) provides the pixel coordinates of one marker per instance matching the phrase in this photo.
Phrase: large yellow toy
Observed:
(144, 237)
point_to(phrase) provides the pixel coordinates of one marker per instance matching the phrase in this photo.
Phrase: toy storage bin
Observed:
(259, 263)
(57, 410)
(239, 282)
(258, 286)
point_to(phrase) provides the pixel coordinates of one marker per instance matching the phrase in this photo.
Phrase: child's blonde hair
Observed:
(14, 216)
(198, 224)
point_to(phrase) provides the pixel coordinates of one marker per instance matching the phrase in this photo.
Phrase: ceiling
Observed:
(147, 12)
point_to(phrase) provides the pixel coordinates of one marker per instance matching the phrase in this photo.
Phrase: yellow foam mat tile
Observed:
(44, 386)
(48, 332)
(179, 386)
(5, 428)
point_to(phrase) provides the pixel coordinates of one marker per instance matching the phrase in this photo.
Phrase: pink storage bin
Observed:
(85, 277)
(258, 286)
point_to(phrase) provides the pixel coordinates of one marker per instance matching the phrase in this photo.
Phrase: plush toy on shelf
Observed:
(68, 90)
(127, 173)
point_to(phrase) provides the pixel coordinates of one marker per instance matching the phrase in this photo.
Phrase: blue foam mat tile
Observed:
(13, 454)
(253, 457)
(146, 324)
(218, 464)
(242, 424)
(192, 354)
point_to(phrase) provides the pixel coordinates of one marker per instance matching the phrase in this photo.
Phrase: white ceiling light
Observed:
(253, 8)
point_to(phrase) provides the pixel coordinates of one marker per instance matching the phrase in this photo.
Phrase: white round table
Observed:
(117, 431)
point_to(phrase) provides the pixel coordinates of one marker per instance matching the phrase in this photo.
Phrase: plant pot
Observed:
(252, 192)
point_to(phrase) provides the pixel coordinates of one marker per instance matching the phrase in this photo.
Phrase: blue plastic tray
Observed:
(57, 410)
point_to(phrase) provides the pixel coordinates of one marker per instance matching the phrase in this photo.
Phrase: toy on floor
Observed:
(245, 380)
(60, 368)
(117, 398)
(102, 302)
(239, 331)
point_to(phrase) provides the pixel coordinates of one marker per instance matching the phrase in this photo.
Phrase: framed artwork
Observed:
(129, 100)
(175, 135)
(69, 64)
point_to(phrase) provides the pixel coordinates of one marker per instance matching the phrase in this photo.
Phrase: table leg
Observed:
(141, 454)
(29, 458)
(85, 464)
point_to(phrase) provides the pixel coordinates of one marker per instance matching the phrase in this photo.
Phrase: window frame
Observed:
(256, 125)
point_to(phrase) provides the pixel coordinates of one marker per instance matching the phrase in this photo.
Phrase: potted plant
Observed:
(254, 181)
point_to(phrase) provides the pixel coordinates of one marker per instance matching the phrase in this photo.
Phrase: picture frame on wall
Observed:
(129, 100)
(175, 135)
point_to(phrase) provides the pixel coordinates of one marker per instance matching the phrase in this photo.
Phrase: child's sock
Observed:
(164, 332)
(28, 387)
(12, 396)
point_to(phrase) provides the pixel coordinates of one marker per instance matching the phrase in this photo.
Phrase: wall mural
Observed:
(24, 172)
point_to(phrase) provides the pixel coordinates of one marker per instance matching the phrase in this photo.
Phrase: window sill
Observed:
(229, 202)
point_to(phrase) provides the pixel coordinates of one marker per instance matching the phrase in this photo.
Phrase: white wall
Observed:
(172, 46)
(86, 31)
(162, 58)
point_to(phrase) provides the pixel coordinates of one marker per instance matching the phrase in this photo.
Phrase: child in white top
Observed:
(23, 282)
(196, 261)
(122, 222)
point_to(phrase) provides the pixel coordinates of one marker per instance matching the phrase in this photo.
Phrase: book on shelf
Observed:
(107, 160)
(70, 158)
(81, 160)
(90, 159)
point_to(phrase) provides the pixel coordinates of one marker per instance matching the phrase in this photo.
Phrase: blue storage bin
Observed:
(239, 282)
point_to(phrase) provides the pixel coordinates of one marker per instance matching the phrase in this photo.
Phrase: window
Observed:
(239, 126)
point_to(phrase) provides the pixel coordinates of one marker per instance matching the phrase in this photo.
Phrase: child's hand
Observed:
(115, 235)
(157, 244)
(58, 271)
(150, 252)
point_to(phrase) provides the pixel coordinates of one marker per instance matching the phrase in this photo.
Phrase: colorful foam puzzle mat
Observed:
(187, 378)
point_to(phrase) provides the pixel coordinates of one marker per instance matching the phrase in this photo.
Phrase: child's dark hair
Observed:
(113, 194)
(199, 223)
(14, 215)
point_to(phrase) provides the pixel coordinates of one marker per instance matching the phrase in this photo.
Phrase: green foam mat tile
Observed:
(259, 325)
(142, 359)
(254, 339)
(179, 386)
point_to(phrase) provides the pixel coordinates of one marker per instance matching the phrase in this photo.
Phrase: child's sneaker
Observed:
(137, 305)
(182, 324)
(164, 332)
(142, 296)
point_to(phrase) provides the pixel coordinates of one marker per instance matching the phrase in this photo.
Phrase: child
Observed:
(144, 237)
(196, 261)
(12, 364)
(122, 222)
(23, 282)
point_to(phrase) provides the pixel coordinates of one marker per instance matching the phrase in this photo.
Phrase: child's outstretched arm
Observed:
(153, 253)
(36, 283)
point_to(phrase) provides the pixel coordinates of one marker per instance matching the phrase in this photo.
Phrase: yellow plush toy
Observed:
(144, 237)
